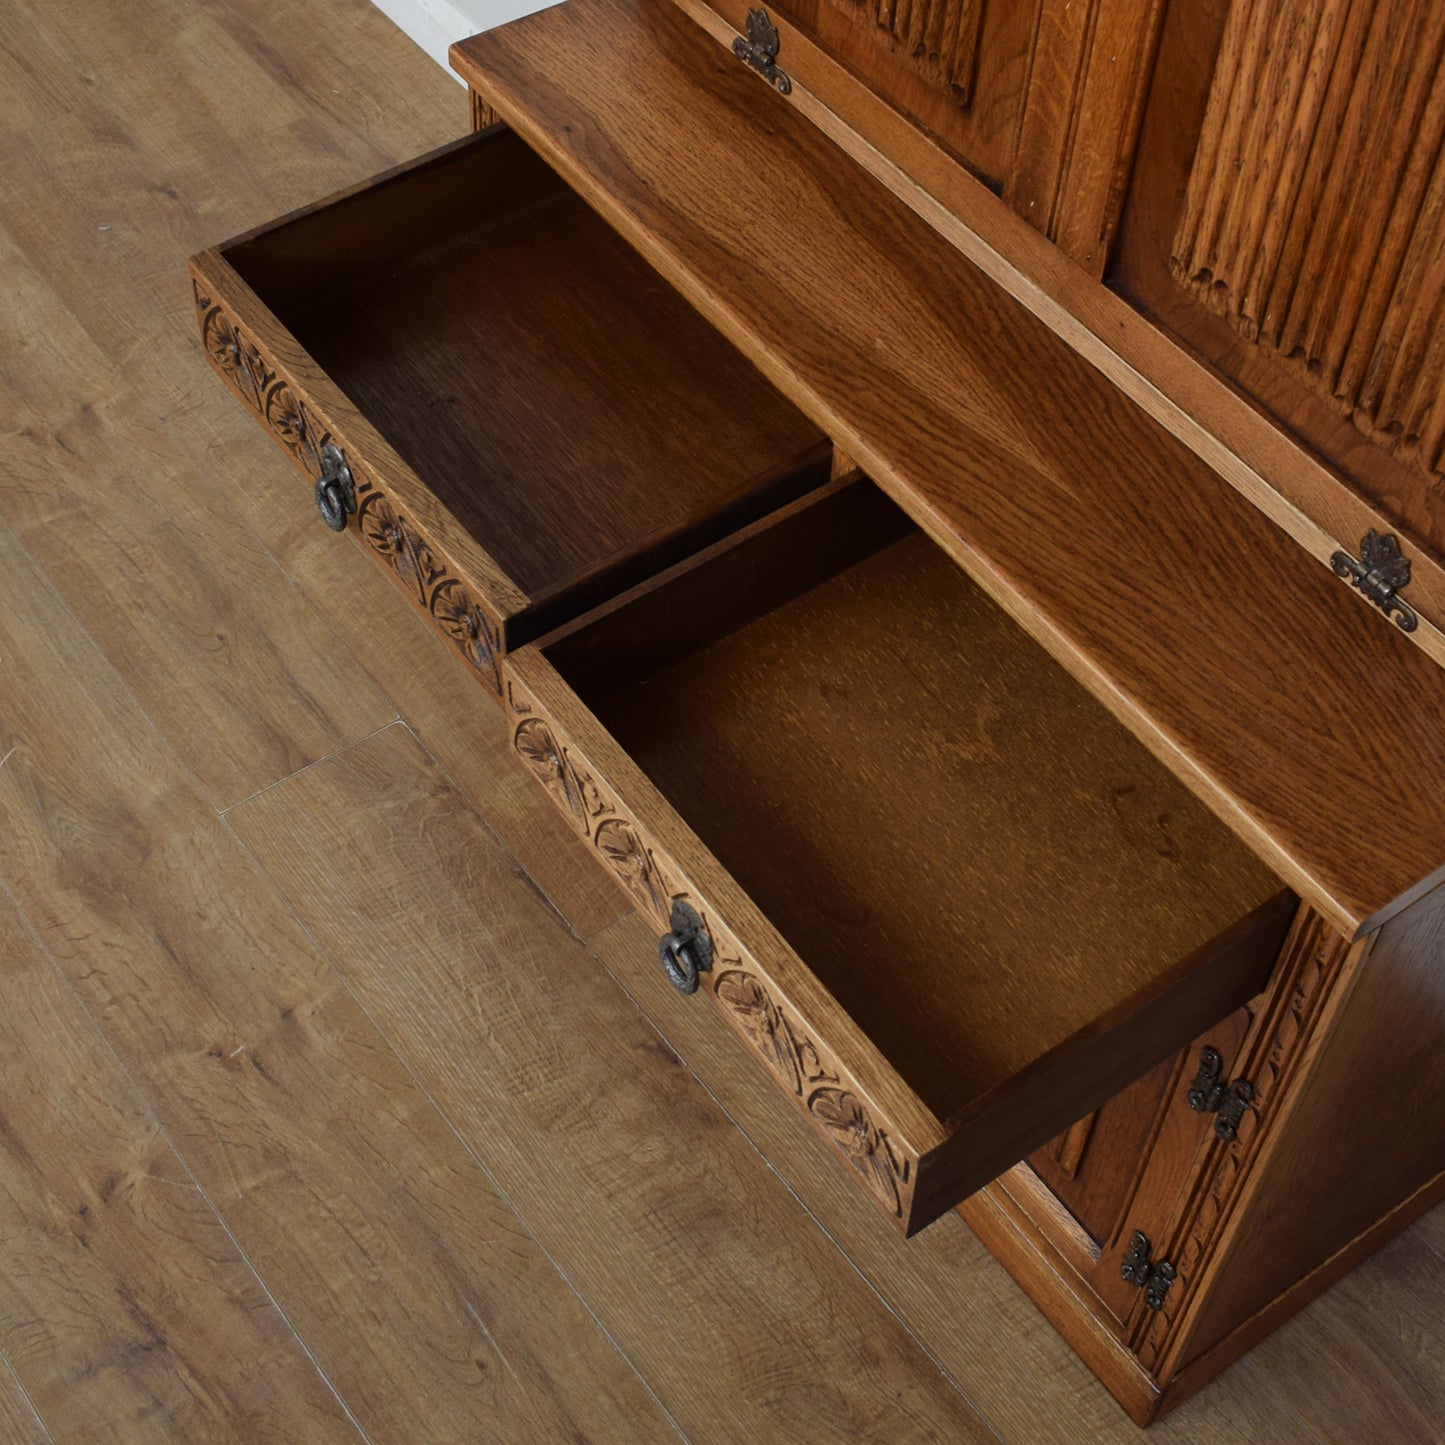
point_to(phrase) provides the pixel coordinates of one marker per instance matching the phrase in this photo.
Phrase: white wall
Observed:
(435, 24)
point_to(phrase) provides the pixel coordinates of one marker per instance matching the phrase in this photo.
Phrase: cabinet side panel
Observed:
(1366, 1131)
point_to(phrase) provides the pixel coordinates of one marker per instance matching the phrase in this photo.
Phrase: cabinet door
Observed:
(1287, 220)
(1122, 1170)
(1040, 100)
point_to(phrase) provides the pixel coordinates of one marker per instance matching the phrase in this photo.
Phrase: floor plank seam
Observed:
(1427, 1242)
(787, 1184)
(441, 1113)
(480, 814)
(188, 453)
(1284, 1404)
(134, 1086)
(306, 767)
(25, 1395)
(59, 599)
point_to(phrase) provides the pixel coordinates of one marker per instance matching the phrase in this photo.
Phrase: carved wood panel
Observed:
(1314, 218)
(1068, 1150)
(421, 570)
(937, 38)
(1089, 71)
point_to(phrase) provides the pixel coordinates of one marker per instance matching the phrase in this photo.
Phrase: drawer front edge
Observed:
(807, 1070)
(421, 569)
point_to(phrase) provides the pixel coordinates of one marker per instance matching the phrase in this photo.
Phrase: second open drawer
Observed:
(949, 901)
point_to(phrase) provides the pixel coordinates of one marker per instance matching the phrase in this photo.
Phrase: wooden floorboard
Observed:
(1366, 1361)
(125, 289)
(19, 1424)
(232, 666)
(376, 1231)
(111, 1337)
(631, 1176)
(306, 990)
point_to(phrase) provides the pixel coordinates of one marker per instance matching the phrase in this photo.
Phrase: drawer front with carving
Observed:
(515, 412)
(950, 903)
(348, 492)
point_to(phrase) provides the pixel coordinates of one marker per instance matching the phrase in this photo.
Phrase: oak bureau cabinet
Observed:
(849, 444)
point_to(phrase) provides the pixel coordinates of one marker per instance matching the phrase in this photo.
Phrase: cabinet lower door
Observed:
(1123, 1173)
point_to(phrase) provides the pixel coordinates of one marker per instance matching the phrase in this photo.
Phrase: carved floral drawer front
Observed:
(420, 568)
(800, 1062)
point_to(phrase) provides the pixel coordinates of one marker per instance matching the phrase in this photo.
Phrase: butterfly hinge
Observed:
(1138, 1269)
(1209, 1094)
(1381, 571)
(760, 50)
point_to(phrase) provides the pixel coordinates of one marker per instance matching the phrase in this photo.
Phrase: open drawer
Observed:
(517, 414)
(948, 899)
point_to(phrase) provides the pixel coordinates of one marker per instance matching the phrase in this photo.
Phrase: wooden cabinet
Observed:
(913, 630)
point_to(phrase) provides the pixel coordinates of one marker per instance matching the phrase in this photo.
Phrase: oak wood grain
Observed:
(414, 1285)
(949, 66)
(1327, 244)
(338, 99)
(914, 1160)
(601, 1139)
(160, 572)
(935, 416)
(17, 1414)
(1089, 72)
(1282, 396)
(1370, 1062)
(460, 275)
(112, 1337)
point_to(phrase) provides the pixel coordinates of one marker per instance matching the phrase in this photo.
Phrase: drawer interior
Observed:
(982, 867)
(562, 401)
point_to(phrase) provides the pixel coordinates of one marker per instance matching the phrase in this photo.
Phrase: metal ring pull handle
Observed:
(335, 490)
(686, 952)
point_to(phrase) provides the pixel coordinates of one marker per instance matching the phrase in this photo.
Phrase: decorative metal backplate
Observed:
(1381, 571)
(760, 50)
(335, 488)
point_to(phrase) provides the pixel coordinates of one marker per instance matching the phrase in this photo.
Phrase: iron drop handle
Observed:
(686, 952)
(335, 490)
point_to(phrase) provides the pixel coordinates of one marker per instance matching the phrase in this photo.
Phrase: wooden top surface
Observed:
(1291, 707)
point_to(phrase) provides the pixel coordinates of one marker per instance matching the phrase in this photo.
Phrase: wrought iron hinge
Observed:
(760, 50)
(1380, 573)
(1139, 1269)
(1209, 1094)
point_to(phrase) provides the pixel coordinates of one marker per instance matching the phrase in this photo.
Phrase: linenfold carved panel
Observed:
(939, 38)
(394, 539)
(800, 1065)
(1315, 213)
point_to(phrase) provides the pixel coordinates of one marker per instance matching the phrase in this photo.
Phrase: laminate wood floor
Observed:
(328, 1105)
